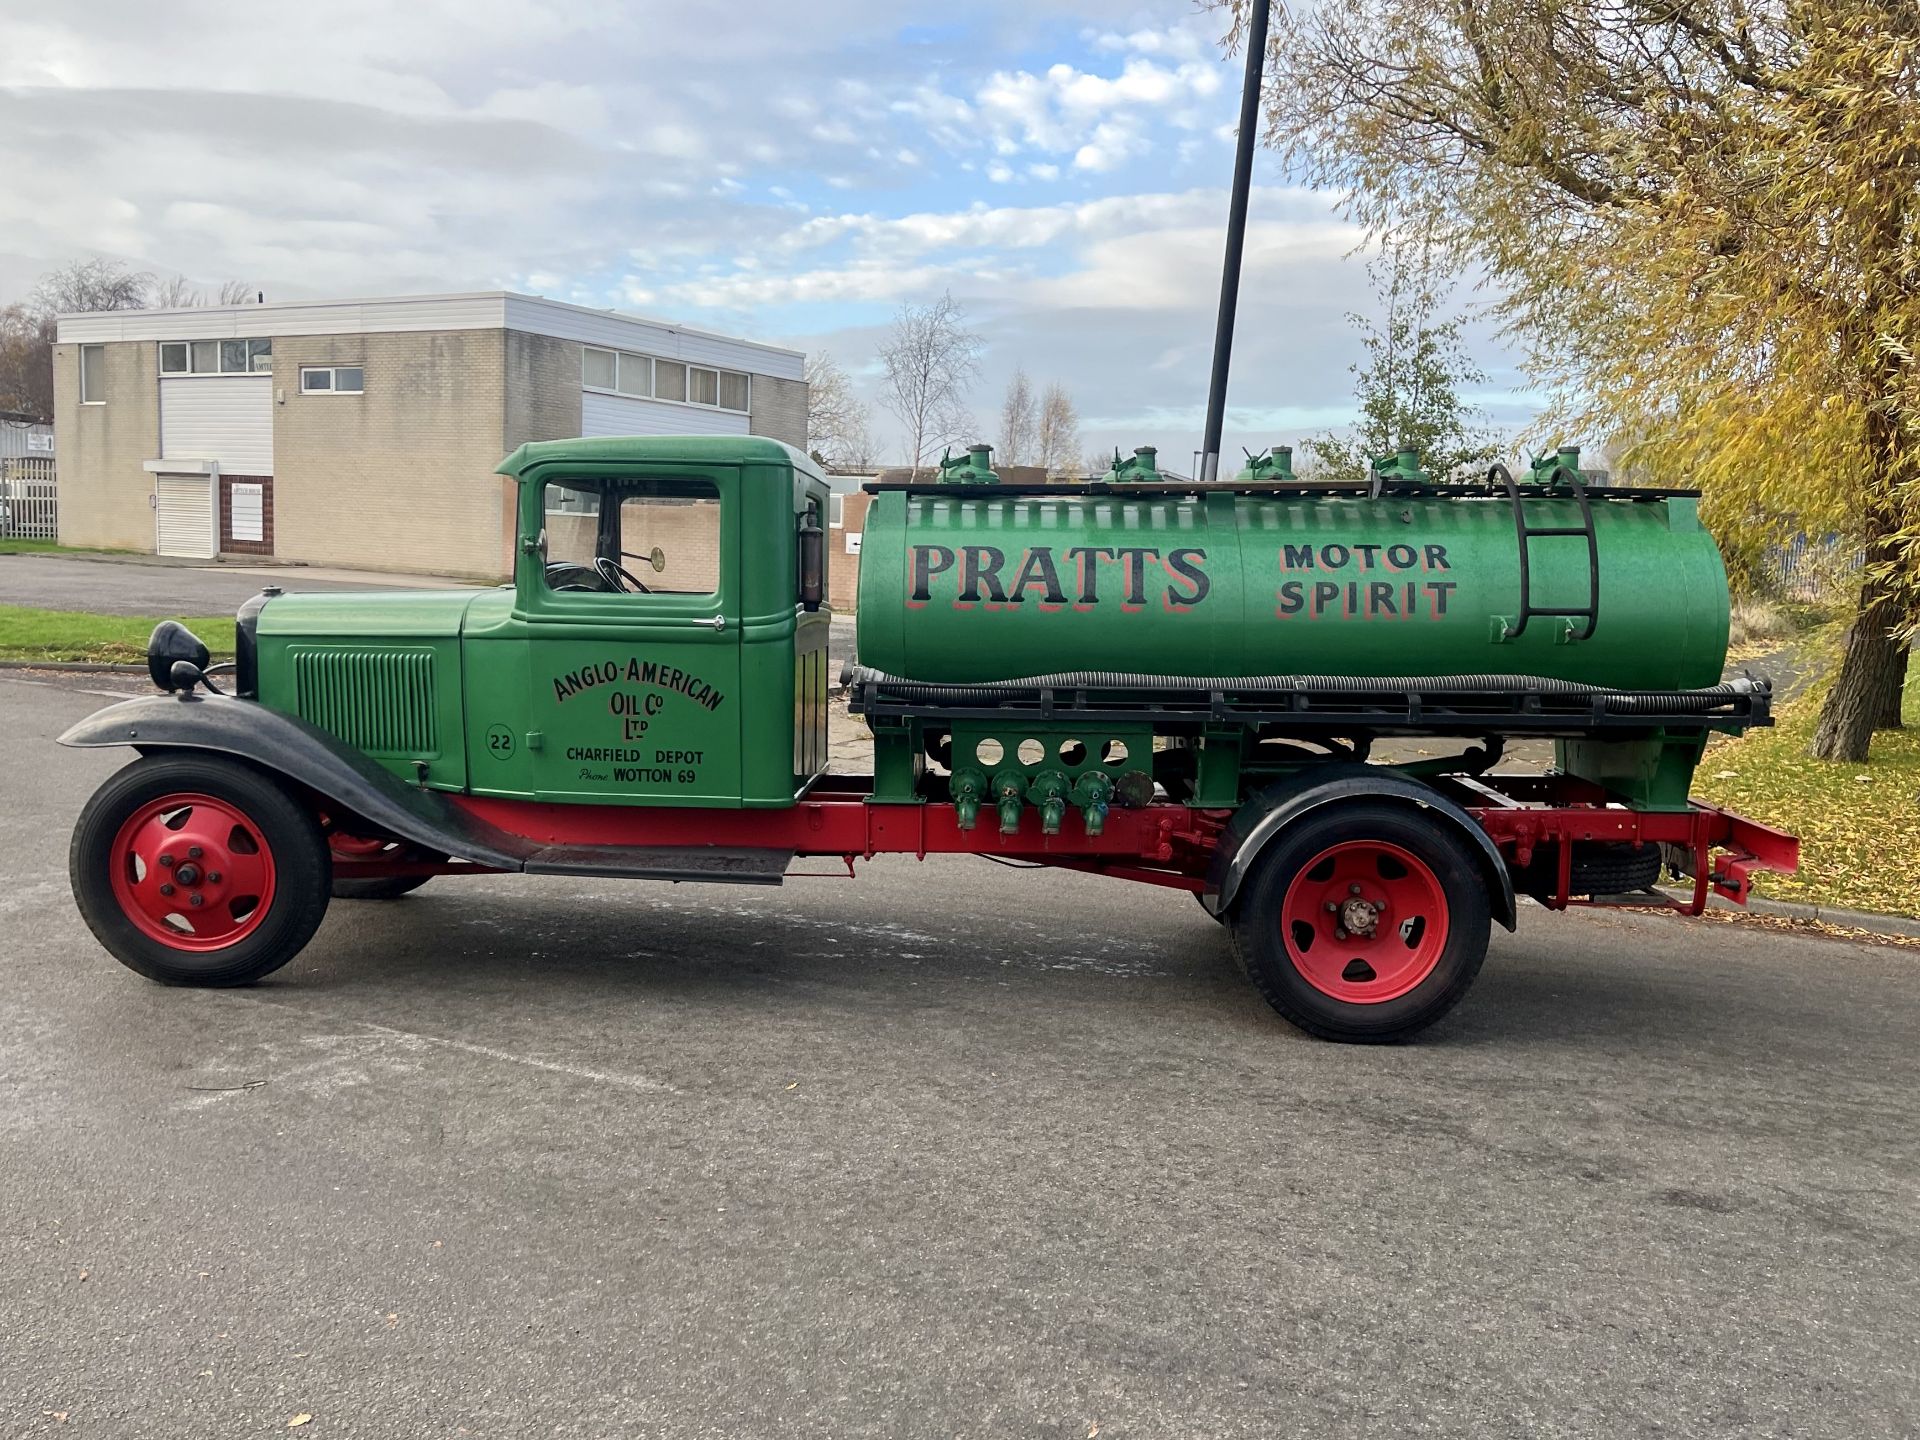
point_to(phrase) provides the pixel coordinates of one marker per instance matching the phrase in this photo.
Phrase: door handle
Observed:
(718, 622)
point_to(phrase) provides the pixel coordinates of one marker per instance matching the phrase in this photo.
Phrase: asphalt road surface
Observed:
(952, 1151)
(113, 587)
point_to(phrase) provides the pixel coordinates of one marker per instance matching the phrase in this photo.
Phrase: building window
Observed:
(93, 374)
(216, 357)
(332, 379)
(836, 512)
(619, 372)
(636, 375)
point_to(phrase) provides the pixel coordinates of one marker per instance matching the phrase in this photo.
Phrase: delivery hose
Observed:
(1627, 702)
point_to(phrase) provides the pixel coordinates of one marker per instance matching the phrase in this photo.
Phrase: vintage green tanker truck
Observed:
(1205, 687)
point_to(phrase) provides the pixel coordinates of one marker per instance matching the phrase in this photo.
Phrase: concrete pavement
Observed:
(950, 1151)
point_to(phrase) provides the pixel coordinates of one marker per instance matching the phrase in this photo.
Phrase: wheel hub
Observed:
(1360, 917)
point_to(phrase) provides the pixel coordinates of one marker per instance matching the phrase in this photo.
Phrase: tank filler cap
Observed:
(973, 468)
(1142, 467)
(1275, 464)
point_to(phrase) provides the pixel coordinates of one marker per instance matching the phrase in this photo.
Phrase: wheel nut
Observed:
(1332, 907)
(1351, 889)
(194, 899)
(167, 860)
(213, 877)
(166, 889)
(194, 852)
(1339, 931)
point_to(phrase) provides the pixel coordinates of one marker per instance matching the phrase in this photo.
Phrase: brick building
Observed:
(365, 432)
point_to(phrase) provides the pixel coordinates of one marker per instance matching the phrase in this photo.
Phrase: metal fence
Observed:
(1808, 567)
(29, 498)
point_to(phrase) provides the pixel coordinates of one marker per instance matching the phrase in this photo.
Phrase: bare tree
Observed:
(91, 285)
(1017, 420)
(176, 292)
(836, 417)
(931, 360)
(27, 331)
(179, 293)
(26, 363)
(1058, 436)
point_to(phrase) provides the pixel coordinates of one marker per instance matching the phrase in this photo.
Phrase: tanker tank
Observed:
(1615, 588)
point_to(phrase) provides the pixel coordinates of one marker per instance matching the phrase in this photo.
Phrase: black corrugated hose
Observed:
(1625, 702)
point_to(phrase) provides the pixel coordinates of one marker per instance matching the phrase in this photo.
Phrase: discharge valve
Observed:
(1049, 792)
(1093, 793)
(1009, 792)
(969, 789)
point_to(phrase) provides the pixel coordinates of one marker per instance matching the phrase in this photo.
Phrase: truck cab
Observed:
(663, 641)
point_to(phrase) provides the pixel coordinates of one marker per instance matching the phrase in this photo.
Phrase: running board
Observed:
(705, 864)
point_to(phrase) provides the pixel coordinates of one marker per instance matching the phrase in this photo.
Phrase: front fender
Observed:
(287, 746)
(1255, 823)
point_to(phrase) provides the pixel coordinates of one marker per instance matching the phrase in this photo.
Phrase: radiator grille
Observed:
(380, 701)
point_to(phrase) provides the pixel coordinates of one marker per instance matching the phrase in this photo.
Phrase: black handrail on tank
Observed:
(1279, 489)
(1525, 532)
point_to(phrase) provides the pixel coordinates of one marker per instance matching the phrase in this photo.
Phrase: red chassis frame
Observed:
(1164, 844)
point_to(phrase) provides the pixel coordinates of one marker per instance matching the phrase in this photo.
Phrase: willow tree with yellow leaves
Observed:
(1704, 219)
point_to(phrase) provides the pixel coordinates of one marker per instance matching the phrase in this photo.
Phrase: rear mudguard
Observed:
(1263, 817)
(288, 747)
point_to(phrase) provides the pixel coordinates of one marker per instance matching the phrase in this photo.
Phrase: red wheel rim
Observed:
(1364, 921)
(357, 847)
(179, 847)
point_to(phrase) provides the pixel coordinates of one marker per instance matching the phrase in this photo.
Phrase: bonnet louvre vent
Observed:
(379, 701)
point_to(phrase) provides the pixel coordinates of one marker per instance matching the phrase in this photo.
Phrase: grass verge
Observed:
(52, 547)
(29, 634)
(1859, 825)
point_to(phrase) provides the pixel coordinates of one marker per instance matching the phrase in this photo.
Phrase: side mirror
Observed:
(813, 560)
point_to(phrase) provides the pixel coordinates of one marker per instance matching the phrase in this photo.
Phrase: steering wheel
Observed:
(613, 572)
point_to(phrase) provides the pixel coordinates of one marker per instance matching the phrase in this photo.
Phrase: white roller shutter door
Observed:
(183, 515)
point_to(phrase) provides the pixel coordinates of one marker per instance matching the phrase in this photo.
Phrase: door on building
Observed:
(183, 515)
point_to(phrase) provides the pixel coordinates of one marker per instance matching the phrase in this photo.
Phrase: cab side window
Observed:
(636, 537)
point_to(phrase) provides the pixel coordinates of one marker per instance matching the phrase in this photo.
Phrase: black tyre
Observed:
(346, 849)
(196, 870)
(1363, 922)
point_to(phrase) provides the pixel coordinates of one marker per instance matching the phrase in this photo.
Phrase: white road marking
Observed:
(645, 1083)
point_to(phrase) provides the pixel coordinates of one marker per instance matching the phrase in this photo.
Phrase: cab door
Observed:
(635, 638)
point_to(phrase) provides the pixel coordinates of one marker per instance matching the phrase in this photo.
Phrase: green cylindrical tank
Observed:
(990, 587)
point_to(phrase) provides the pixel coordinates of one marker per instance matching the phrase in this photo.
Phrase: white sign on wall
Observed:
(853, 542)
(39, 442)
(250, 512)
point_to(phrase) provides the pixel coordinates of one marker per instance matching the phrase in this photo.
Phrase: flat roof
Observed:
(473, 310)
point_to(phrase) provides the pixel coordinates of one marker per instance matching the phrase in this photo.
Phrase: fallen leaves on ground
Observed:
(1825, 928)
(1859, 830)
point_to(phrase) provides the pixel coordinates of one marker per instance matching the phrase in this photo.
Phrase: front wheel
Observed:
(198, 870)
(1364, 922)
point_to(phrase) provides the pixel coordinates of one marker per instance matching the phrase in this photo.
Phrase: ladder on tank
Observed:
(1526, 534)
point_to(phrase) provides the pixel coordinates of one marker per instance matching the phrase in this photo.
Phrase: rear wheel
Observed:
(349, 850)
(197, 870)
(1364, 923)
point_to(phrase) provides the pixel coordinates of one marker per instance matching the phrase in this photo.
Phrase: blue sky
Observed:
(789, 172)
